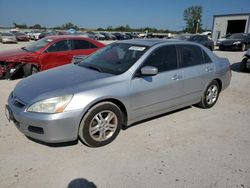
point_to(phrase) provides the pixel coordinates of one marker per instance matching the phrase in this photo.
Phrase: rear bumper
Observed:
(49, 128)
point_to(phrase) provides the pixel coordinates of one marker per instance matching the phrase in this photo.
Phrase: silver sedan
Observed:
(121, 84)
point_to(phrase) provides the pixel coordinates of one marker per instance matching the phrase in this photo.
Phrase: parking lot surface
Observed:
(191, 147)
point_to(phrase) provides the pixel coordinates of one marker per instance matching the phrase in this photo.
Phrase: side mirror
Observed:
(149, 71)
(248, 52)
(78, 58)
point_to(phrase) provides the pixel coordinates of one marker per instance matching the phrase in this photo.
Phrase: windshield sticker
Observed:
(49, 40)
(137, 48)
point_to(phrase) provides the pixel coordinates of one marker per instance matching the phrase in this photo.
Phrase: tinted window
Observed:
(82, 44)
(190, 55)
(164, 58)
(115, 58)
(206, 57)
(59, 46)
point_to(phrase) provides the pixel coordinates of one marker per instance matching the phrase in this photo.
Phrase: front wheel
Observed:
(29, 69)
(101, 125)
(243, 65)
(210, 95)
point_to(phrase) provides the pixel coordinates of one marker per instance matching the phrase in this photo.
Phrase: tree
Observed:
(20, 26)
(36, 26)
(192, 16)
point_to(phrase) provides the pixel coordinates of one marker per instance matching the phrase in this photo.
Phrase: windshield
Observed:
(115, 59)
(37, 45)
(236, 36)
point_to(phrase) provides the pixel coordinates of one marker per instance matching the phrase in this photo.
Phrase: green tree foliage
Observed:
(36, 26)
(66, 26)
(20, 26)
(192, 16)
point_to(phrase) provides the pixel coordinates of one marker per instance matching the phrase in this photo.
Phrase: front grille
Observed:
(17, 102)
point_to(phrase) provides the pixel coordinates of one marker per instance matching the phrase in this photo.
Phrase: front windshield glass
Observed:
(115, 59)
(37, 45)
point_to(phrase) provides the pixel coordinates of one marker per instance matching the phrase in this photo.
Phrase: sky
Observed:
(161, 14)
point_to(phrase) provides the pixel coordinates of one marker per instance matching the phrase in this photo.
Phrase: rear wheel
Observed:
(210, 95)
(101, 124)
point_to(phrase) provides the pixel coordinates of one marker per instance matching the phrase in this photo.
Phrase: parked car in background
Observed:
(8, 38)
(123, 83)
(44, 54)
(21, 36)
(182, 36)
(237, 41)
(108, 36)
(47, 33)
(120, 36)
(99, 36)
(218, 42)
(245, 63)
(202, 39)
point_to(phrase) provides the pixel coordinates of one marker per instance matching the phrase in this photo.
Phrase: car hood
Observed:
(64, 80)
(15, 55)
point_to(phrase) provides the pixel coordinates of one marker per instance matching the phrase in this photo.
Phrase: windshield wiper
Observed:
(92, 67)
(25, 49)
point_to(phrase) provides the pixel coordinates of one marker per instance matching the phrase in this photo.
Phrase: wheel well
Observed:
(219, 82)
(119, 104)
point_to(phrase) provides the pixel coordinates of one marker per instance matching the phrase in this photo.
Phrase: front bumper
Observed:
(230, 46)
(49, 128)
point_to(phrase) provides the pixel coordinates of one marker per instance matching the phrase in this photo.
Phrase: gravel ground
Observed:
(191, 147)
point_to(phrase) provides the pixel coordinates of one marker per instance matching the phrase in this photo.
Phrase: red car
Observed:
(44, 54)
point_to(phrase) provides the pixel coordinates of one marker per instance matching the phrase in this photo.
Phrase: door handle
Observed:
(176, 77)
(209, 69)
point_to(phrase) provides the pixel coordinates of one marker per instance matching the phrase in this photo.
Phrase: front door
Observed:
(155, 94)
(55, 55)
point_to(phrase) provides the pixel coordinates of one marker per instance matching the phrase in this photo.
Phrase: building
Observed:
(230, 23)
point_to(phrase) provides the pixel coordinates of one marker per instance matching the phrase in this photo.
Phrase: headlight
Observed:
(238, 42)
(52, 105)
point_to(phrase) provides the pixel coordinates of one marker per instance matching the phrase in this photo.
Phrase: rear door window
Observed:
(82, 45)
(191, 55)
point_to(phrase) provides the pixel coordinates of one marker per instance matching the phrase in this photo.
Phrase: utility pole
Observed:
(197, 26)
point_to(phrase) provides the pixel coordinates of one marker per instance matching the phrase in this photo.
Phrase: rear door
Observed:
(56, 54)
(195, 71)
(155, 94)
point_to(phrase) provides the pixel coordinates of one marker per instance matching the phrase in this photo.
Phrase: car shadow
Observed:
(81, 183)
(155, 117)
(55, 145)
(236, 68)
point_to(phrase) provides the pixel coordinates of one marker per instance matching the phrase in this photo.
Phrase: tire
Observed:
(243, 65)
(243, 47)
(29, 69)
(96, 129)
(210, 95)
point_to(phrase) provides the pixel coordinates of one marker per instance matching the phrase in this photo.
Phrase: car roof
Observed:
(151, 42)
(54, 37)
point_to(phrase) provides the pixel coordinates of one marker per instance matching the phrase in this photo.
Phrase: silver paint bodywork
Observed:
(141, 97)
